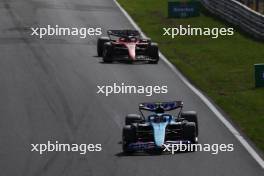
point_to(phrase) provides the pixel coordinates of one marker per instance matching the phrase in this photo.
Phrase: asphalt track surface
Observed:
(48, 92)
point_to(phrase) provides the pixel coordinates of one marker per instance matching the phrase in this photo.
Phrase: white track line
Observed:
(210, 105)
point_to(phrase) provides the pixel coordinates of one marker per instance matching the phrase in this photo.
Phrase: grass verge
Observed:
(222, 67)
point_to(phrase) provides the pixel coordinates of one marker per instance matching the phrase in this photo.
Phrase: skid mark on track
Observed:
(65, 6)
(21, 40)
(50, 90)
(72, 6)
(38, 53)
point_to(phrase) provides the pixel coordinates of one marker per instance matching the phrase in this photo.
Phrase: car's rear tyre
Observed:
(128, 137)
(100, 45)
(191, 116)
(108, 52)
(153, 53)
(132, 118)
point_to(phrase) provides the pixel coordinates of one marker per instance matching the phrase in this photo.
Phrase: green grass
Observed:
(222, 68)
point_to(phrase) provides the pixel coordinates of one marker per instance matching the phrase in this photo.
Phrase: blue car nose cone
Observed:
(159, 133)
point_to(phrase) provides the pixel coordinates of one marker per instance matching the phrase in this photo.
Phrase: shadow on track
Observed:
(122, 62)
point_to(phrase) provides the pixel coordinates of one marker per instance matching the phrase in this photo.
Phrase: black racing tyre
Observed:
(128, 137)
(189, 132)
(100, 45)
(108, 52)
(191, 116)
(153, 53)
(132, 118)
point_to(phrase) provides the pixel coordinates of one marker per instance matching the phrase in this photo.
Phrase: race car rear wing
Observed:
(161, 106)
(123, 33)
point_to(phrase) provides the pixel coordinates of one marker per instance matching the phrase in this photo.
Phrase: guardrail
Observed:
(239, 15)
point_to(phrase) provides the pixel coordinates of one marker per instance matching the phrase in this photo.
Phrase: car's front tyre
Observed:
(100, 45)
(189, 132)
(128, 137)
(153, 52)
(108, 52)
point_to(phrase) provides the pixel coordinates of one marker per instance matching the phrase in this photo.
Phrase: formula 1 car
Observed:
(142, 133)
(127, 45)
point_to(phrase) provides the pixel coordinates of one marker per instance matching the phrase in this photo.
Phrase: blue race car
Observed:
(158, 128)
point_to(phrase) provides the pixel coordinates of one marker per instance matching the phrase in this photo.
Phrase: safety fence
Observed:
(239, 15)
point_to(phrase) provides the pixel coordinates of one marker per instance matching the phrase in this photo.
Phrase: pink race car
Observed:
(127, 45)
